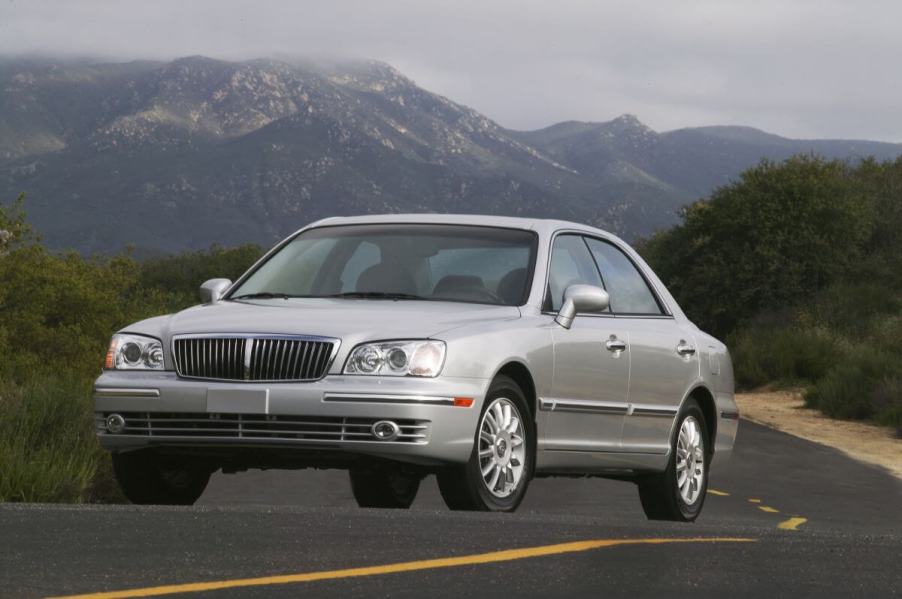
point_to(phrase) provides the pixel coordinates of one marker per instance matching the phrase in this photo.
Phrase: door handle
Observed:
(615, 344)
(684, 349)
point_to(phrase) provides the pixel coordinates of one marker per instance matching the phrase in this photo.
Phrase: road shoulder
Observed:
(785, 411)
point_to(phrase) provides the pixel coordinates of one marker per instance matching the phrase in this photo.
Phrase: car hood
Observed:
(353, 320)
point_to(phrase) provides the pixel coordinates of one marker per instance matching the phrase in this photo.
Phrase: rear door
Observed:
(589, 389)
(663, 354)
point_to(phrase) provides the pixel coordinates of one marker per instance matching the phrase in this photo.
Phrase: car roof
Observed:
(540, 225)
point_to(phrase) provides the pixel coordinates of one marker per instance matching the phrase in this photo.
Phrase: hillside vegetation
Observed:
(58, 312)
(798, 265)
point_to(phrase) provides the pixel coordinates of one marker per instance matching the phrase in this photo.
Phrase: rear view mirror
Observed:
(581, 298)
(212, 291)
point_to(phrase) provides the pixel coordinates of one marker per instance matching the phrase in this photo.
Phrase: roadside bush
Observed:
(887, 398)
(57, 312)
(181, 275)
(788, 355)
(864, 385)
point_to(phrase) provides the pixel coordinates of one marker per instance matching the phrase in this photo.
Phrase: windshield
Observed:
(432, 262)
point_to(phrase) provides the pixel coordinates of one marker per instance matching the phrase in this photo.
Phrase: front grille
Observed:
(253, 427)
(253, 358)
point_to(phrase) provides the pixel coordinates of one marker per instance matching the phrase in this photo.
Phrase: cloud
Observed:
(826, 68)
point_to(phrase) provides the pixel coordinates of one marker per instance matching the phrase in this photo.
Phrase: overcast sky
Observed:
(824, 68)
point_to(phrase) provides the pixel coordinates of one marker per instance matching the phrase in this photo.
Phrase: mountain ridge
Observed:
(173, 155)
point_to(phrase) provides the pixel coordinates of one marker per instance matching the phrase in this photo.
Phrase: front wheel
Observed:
(384, 487)
(678, 493)
(497, 474)
(147, 478)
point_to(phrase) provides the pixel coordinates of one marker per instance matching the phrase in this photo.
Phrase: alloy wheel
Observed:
(690, 460)
(502, 447)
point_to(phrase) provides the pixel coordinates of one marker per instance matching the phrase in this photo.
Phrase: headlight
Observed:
(397, 358)
(134, 352)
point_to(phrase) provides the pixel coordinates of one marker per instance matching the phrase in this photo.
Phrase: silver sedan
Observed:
(484, 350)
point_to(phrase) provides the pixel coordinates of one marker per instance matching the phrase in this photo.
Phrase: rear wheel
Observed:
(678, 493)
(384, 487)
(147, 478)
(500, 467)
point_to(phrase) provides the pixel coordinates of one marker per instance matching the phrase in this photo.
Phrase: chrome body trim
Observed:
(564, 405)
(386, 398)
(125, 392)
(594, 407)
(653, 410)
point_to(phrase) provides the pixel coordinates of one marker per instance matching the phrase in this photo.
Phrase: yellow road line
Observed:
(792, 524)
(718, 493)
(754, 501)
(768, 509)
(447, 562)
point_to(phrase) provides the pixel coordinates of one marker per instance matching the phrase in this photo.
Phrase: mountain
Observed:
(167, 156)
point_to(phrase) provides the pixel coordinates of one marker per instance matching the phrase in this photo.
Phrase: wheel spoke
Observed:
(488, 468)
(486, 453)
(516, 441)
(491, 422)
(498, 414)
(493, 483)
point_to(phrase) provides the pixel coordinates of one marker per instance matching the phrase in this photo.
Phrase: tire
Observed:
(464, 487)
(662, 496)
(384, 487)
(147, 478)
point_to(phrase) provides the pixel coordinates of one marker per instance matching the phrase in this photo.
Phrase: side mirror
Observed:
(581, 298)
(211, 291)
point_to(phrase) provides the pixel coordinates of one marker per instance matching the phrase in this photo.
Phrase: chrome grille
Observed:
(255, 427)
(253, 358)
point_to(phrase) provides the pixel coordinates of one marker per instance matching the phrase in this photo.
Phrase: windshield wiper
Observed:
(378, 295)
(262, 295)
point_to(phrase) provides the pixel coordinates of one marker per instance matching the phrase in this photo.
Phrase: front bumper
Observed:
(335, 413)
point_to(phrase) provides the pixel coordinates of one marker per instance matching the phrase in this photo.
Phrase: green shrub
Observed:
(179, 276)
(887, 400)
(860, 386)
(57, 312)
(773, 238)
(787, 355)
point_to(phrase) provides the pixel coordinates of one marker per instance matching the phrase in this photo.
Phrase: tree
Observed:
(775, 237)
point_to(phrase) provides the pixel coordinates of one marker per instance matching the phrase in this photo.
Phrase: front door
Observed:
(590, 386)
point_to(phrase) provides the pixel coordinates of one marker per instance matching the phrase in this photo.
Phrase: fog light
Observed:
(386, 430)
(115, 423)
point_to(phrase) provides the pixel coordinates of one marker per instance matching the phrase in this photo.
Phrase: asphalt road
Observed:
(785, 518)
